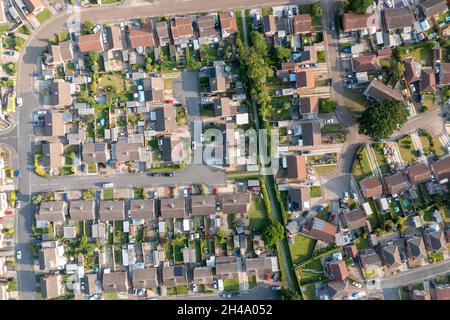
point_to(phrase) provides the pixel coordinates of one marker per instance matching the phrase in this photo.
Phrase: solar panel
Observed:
(319, 224)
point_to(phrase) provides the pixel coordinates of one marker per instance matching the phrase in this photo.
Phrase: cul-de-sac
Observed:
(231, 150)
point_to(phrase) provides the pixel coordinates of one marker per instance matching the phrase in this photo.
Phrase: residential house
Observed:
(142, 37)
(365, 63)
(301, 24)
(398, 18)
(61, 53)
(116, 39)
(172, 208)
(203, 205)
(354, 219)
(226, 267)
(52, 211)
(444, 73)
(174, 275)
(91, 43)
(165, 118)
(420, 295)
(337, 270)
(234, 203)
(442, 292)
(298, 199)
(145, 278)
(228, 24)
(90, 280)
(441, 169)
(60, 93)
(341, 290)
(309, 107)
(217, 80)
(123, 151)
(296, 168)
(115, 282)
(427, 80)
(111, 210)
(396, 183)
(154, 89)
(182, 30)
(352, 21)
(54, 124)
(34, 6)
(412, 70)
(434, 237)
(223, 108)
(418, 173)
(162, 31)
(305, 79)
(371, 263)
(307, 134)
(320, 230)
(206, 26)
(82, 210)
(351, 251)
(432, 8)
(52, 155)
(52, 286)
(308, 55)
(95, 152)
(390, 253)
(51, 259)
(416, 251)
(203, 275)
(261, 267)
(378, 91)
(269, 25)
(371, 187)
(142, 209)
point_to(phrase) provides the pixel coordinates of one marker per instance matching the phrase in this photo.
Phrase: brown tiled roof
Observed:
(433, 7)
(420, 295)
(365, 63)
(203, 275)
(111, 210)
(226, 269)
(217, 80)
(338, 270)
(305, 79)
(53, 211)
(418, 173)
(52, 154)
(396, 183)
(166, 119)
(126, 151)
(269, 24)
(115, 282)
(82, 210)
(228, 22)
(371, 187)
(172, 208)
(234, 202)
(442, 292)
(416, 248)
(397, 18)
(296, 167)
(33, 5)
(54, 124)
(47, 259)
(91, 43)
(391, 255)
(90, 279)
(52, 286)
(369, 258)
(384, 53)
(444, 74)
(142, 209)
(222, 107)
(181, 28)
(309, 105)
(60, 93)
(95, 152)
(142, 37)
(427, 80)
(145, 278)
(174, 275)
(155, 87)
(206, 26)
(301, 24)
(377, 90)
(62, 52)
(351, 250)
(203, 205)
(412, 70)
(116, 38)
(299, 198)
(162, 30)
(441, 168)
(319, 229)
(435, 240)
(354, 21)
(261, 264)
(353, 219)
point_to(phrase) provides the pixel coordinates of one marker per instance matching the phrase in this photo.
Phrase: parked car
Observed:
(108, 185)
(19, 102)
(331, 120)
(356, 284)
(389, 3)
(276, 288)
(167, 174)
(17, 204)
(96, 28)
(202, 137)
(346, 197)
(305, 214)
(194, 145)
(19, 255)
(185, 193)
(311, 177)
(332, 26)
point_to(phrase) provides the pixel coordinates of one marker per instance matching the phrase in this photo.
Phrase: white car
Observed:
(42, 112)
(122, 26)
(185, 193)
(331, 120)
(311, 177)
(346, 196)
(356, 284)
(155, 195)
(19, 255)
(108, 185)
(17, 204)
(202, 137)
(194, 145)
(389, 3)
(228, 118)
(97, 28)
(19, 102)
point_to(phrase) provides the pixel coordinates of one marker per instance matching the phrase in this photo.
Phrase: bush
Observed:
(327, 106)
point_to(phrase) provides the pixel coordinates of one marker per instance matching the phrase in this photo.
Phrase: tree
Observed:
(191, 64)
(287, 293)
(380, 119)
(221, 235)
(273, 232)
(37, 199)
(87, 27)
(398, 69)
(317, 9)
(359, 6)
(327, 106)
(282, 53)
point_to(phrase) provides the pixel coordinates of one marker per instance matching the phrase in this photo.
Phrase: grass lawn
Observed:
(356, 96)
(324, 169)
(361, 167)
(315, 192)
(198, 250)
(231, 284)
(446, 215)
(307, 8)
(407, 150)
(110, 1)
(115, 80)
(108, 194)
(381, 161)
(404, 295)
(309, 292)
(257, 214)
(208, 52)
(251, 281)
(437, 147)
(311, 272)
(321, 57)
(111, 296)
(44, 15)
(302, 249)
(332, 128)
(92, 167)
(422, 53)
(361, 243)
(428, 101)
